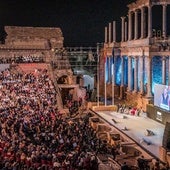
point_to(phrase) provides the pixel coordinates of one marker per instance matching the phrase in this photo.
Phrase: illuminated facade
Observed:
(142, 57)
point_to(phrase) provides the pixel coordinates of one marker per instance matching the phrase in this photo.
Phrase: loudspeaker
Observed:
(166, 137)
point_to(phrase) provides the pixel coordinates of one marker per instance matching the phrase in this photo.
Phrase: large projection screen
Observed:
(162, 96)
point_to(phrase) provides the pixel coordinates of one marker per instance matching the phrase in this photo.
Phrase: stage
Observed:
(136, 128)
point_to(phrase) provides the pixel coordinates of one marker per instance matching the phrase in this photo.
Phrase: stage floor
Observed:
(137, 126)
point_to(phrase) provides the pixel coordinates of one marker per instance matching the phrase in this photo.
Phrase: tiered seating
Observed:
(30, 67)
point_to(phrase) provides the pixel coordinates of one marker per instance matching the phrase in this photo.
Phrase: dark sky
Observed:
(82, 21)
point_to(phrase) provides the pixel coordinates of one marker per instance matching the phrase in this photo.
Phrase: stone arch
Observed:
(63, 80)
(63, 74)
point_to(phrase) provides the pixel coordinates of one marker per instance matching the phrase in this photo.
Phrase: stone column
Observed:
(149, 76)
(113, 71)
(142, 22)
(114, 31)
(113, 77)
(122, 71)
(164, 70)
(169, 72)
(105, 35)
(136, 25)
(123, 29)
(109, 70)
(129, 73)
(136, 74)
(110, 26)
(106, 69)
(149, 21)
(130, 26)
(122, 79)
(164, 16)
(141, 75)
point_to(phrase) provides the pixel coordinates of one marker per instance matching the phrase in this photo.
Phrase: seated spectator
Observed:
(124, 166)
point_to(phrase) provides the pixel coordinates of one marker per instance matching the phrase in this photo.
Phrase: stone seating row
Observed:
(113, 138)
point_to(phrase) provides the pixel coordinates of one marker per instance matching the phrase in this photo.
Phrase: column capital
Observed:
(129, 15)
(136, 11)
(163, 58)
(150, 6)
(142, 8)
(164, 5)
(123, 17)
(122, 57)
(148, 57)
(130, 12)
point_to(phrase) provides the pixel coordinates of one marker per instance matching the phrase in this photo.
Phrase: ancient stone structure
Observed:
(34, 41)
(40, 44)
(33, 37)
(139, 44)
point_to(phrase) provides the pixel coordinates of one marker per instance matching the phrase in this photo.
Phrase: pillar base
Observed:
(149, 96)
(129, 90)
(141, 93)
(134, 91)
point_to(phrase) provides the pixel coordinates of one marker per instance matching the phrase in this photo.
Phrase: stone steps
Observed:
(30, 67)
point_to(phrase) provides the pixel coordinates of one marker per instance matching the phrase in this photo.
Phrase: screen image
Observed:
(162, 96)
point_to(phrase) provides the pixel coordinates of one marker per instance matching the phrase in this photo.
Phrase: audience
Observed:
(21, 59)
(32, 132)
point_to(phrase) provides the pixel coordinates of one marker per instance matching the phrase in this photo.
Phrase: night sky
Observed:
(81, 21)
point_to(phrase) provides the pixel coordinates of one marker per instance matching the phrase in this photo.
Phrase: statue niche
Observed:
(63, 80)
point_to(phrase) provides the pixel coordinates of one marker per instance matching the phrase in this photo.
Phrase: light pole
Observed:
(99, 45)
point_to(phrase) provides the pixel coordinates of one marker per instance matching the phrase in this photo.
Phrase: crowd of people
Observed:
(34, 135)
(21, 59)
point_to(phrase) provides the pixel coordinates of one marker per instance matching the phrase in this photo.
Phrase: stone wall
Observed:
(34, 37)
